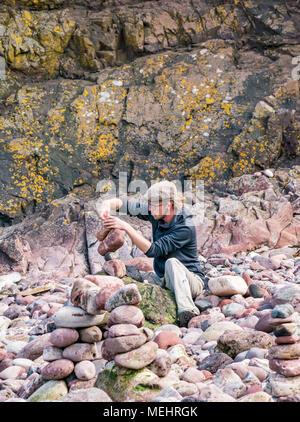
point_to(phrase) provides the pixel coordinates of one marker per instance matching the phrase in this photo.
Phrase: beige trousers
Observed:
(185, 284)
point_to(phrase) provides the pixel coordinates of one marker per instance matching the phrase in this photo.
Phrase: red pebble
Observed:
(253, 389)
(166, 339)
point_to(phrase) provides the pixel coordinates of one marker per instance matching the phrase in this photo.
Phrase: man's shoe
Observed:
(185, 316)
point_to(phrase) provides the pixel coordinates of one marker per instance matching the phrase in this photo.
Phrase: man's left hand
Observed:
(115, 223)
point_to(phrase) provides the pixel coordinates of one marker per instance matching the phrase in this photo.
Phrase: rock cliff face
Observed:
(158, 89)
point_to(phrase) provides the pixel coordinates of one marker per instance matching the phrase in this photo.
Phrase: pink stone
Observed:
(115, 268)
(79, 385)
(104, 281)
(141, 263)
(193, 375)
(260, 373)
(119, 330)
(57, 369)
(166, 339)
(126, 314)
(287, 339)
(115, 345)
(63, 337)
(112, 242)
(288, 368)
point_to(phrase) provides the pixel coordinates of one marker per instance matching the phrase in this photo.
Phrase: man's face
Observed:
(160, 210)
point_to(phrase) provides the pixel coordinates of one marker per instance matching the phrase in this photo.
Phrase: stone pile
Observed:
(128, 342)
(284, 357)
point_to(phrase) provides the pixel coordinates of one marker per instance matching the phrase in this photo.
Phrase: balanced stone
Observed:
(119, 330)
(85, 370)
(116, 345)
(58, 369)
(90, 334)
(127, 295)
(138, 358)
(84, 294)
(51, 353)
(126, 314)
(278, 385)
(288, 351)
(81, 351)
(63, 337)
(73, 317)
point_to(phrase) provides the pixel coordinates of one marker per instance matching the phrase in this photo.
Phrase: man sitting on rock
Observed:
(174, 248)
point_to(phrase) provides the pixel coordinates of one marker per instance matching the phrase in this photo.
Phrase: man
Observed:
(174, 248)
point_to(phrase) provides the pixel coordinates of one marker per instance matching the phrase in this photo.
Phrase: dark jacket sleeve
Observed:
(170, 242)
(136, 209)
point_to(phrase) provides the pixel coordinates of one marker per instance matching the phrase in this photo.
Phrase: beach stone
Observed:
(85, 370)
(161, 366)
(192, 337)
(214, 362)
(51, 390)
(231, 309)
(167, 395)
(81, 351)
(282, 311)
(287, 294)
(257, 352)
(3, 351)
(287, 340)
(138, 358)
(279, 386)
(203, 305)
(12, 372)
(51, 353)
(15, 311)
(4, 323)
(257, 397)
(76, 384)
(185, 389)
(14, 346)
(75, 317)
(169, 327)
(63, 337)
(232, 342)
(115, 268)
(284, 330)
(105, 294)
(25, 363)
(217, 329)
(86, 395)
(266, 323)
(193, 375)
(256, 291)
(114, 346)
(90, 334)
(227, 285)
(165, 339)
(58, 369)
(288, 368)
(288, 351)
(127, 295)
(126, 314)
(34, 349)
(212, 393)
(177, 352)
(119, 330)
(3, 307)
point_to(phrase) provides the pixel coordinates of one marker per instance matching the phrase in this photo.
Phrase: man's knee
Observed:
(170, 262)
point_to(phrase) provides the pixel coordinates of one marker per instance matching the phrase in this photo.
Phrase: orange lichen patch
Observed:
(208, 169)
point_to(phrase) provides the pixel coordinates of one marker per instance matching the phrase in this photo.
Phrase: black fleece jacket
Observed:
(176, 239)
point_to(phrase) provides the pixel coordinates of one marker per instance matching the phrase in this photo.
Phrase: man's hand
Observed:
(111, 222)
(103, 210)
